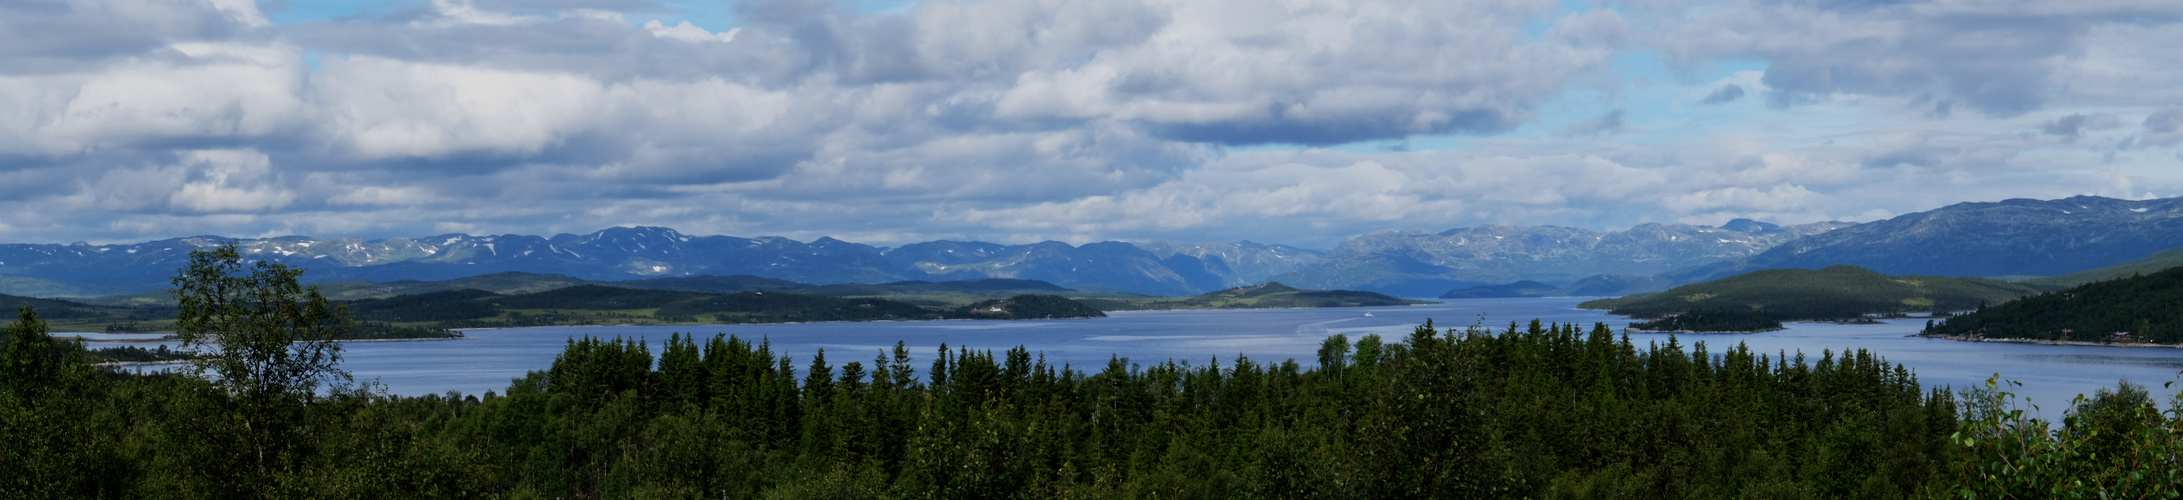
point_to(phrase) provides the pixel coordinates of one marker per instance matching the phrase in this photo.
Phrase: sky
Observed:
(1302, 122)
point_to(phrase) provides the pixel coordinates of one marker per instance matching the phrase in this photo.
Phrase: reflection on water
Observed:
(490, 358)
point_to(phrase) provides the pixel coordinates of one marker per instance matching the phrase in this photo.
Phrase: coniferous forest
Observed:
(1543, 411)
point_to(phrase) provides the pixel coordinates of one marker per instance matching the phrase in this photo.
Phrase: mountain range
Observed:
(1424, 264)
(2006, 238)
(2010, 238)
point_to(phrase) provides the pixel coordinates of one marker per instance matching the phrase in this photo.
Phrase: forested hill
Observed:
(1267, 296)
(2157, 262)
(1832, 293)
(2148, 307)
(1030, 307)
(596, 304)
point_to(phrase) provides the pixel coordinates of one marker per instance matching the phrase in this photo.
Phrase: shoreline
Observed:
(419, 339)
(490, 328)
(2076, 343)
(170, 339)
(118, 364)
(1689, 332)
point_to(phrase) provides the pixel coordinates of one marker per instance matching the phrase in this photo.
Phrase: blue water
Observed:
(2050, 375)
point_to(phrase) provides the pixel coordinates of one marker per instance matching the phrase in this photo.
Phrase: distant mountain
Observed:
(1615, 285)
(2011, 237)
(2008, 238)
(634, 253)
(1423, 264)
(518, 283)
(1511, 290)
(1605, 285)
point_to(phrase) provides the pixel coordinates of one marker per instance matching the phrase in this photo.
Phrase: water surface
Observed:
(490, 358)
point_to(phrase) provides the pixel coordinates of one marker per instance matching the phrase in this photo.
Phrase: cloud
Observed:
(1607, 123)
(2066, 126)
(1077, 120)
(2164, 127)
(1726, 94)
(2003, 58)
(228, 181)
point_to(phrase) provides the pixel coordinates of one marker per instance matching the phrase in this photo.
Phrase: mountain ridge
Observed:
(2016, 238)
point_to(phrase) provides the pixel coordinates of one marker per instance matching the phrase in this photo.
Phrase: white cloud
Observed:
(228, 181)
(379, 108)
(1067, 119)
(688, 32)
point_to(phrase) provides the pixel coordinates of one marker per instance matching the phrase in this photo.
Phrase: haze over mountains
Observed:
(2013, 237)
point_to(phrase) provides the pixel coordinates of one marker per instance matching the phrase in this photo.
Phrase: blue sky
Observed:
(1305, 122)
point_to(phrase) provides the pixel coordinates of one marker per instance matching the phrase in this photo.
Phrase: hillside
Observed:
(1605, 285)
(72, 316)
(1831, 293)
(2159, 261)
(1427, 264)
(2011, 237)
(1267, 296)
(2149, 308)
(1511, 290)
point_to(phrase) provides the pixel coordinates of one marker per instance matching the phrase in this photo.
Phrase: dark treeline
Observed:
(1543, 411)
(1712, 320)
(1549, 411)
(2149, 308)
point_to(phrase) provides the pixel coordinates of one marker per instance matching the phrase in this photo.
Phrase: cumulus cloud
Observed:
(2001, 58)
(1069, 119)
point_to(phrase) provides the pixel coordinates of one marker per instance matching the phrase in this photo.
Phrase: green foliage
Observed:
(2116, 444)
(272, 339)
(2149, 308)
(272, 346)
(1833, 293)
(30, 359)
(134, 354)
(1544, 411)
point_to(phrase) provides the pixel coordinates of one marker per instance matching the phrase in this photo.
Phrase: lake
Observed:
(2050, 375)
